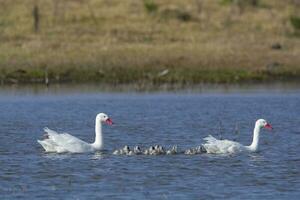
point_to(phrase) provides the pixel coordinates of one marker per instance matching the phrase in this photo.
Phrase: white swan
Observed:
(65, 142)
(216, 146)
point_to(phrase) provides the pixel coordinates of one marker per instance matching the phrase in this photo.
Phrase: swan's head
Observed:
(262, 123)
(102, 117)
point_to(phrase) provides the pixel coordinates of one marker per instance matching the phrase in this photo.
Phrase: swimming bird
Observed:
(117, 152)
(216, 146)
(64, 142)
(149, 151)
(127, 151)
(137, 150)
(152, 150)
(171, 151)
(124, 151)
(198, 150)
(159, 149)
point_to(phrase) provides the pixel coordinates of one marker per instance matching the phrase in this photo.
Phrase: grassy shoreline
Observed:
(149, 42)
(74, 88)
(179, 76)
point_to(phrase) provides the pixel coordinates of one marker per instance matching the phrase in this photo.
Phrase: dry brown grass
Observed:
(100, 40)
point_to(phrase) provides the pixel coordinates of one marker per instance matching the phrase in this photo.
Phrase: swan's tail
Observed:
(210, 139)
(210, 145)
(54, 136)
(50, 132)
(50, 144)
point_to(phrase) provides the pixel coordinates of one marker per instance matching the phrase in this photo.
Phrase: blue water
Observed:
(167, 119)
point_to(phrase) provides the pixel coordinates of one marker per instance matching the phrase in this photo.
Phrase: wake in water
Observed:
(158, 150)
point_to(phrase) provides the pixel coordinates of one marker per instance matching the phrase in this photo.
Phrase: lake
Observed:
(181, 118)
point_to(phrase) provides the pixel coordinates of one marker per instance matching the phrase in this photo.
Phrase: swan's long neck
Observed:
(98, 144)
(255, 141)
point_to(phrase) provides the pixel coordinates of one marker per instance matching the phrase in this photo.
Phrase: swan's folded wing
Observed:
(229, 146)
(68, 142)
(50, 146)
(214, 145)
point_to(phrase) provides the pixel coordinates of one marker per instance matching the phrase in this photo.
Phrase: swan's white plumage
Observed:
(64, 142)
(216, 146)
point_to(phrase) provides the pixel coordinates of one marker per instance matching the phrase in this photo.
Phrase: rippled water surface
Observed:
(147, 119)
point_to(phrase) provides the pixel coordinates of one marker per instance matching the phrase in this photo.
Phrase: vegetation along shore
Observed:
(149, 41)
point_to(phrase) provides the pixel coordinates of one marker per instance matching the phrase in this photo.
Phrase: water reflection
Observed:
(256, 160)
(98, 155)
(56, 156)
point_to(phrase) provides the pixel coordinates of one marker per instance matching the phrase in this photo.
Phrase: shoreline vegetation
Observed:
(149, 42)
(205, 88)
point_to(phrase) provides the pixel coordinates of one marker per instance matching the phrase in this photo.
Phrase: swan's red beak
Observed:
(268, 126)
(109, 121)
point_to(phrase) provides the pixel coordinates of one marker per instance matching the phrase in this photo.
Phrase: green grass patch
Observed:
(121, 75)
(295, 21)
(150, 6)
